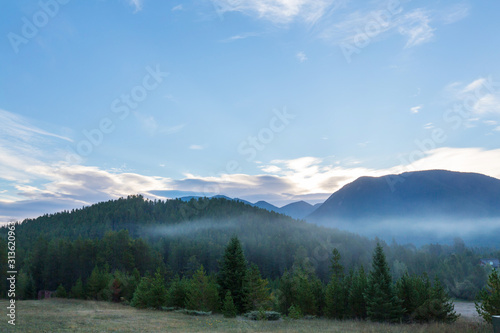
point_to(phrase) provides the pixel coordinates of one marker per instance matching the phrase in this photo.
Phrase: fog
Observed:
(187, 228)
(419, 231)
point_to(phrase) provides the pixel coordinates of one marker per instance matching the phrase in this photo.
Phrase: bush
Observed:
(268, 315)
(294, 312)
(61, 292)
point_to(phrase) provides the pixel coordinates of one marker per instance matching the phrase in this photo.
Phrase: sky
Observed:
(270, 100)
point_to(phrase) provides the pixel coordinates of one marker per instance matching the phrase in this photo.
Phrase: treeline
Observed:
(178, 237)
(239, 288)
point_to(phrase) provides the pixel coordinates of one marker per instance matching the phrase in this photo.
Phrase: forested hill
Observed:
(136, 234)
(199, 230)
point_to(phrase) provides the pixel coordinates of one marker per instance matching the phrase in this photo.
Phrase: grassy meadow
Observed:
(61, 315)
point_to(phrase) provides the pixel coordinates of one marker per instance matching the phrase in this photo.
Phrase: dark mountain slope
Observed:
(422, 193)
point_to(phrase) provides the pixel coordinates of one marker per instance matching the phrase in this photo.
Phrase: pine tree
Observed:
(488, 299)
(286, 295)
(77, 290)
(177, 292)
(356, 298)
(142, 294)
(61, 292)
(228, 308)
(202, 294)
(335, 295)
(382, 304)
(258, 291)
(441, 307)
(151, 292)
(97, 284)
(233, 273)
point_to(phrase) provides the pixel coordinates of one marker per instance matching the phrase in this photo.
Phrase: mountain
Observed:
(267, 206)
(422, 193)
(428, 205)
(298, 210)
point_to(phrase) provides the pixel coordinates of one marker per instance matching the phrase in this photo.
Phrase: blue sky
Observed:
(259, 99)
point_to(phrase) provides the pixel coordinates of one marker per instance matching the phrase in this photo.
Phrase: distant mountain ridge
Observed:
(297, 210)
(420, 193)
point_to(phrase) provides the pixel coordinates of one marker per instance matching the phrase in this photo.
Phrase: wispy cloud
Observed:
(416, 26)
(301, 56)
(239, 37)
(196, 147)
(177, 8)
(416, 109)
(481, 96)
(279, 11)
(455, 13)
(137, 4)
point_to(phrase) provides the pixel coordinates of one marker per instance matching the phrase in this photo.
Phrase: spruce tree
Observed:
(356, 296)
(286, 295)
(233, 273)
(258, 291)
(488, 299)
(202, 294)
(441, 307)
(382, 304)
(77, 290)
(335, 295)
(228, 308)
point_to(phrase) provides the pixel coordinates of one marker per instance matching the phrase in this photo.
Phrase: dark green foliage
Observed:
(177, 292)
(202, 293)
(294, 312)
(151, 292)
(77, 290)
(423, 303)
(488, 299)
(382, 303)
(258, 290)
(233, 273)
(228, 308)
(286, 295)
(356, 297)
(61, 292)
(336, 291)
(97, 284)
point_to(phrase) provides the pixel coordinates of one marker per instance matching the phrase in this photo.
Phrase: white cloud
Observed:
(239, 37)
(497, 129)
(416, 109)
(481, 96)
(457, 159)
(301, 56)
(177, 8)
(137, 4)
(279, 11)
(196, 147)
(489, 103)
(455, 13)
(416, 26)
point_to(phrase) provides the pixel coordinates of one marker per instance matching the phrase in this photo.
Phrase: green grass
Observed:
(60, 315)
